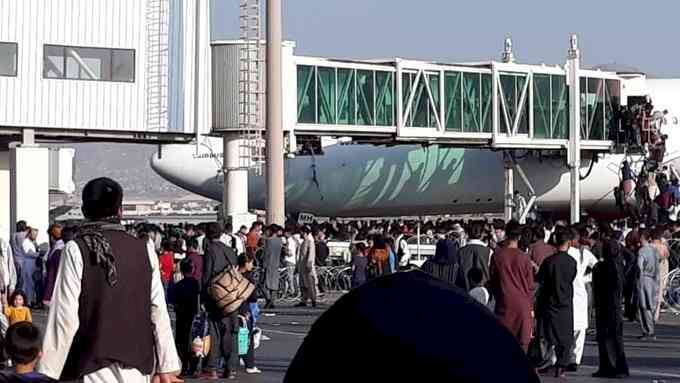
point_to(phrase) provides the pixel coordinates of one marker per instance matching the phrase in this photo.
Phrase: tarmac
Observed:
(285, 328)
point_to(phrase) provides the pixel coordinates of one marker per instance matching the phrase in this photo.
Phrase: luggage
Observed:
(229, 289)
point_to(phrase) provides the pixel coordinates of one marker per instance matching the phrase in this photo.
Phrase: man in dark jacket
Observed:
(474, 255)
(222, 330)
(554, 305)
(271, 260)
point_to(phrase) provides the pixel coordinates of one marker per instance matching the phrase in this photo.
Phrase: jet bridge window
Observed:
(93, 64)
(8, 59)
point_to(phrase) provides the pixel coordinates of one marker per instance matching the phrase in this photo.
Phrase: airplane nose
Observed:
(167, 162)
(159, 164)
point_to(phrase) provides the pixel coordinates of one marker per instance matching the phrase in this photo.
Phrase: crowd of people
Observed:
(546, 283)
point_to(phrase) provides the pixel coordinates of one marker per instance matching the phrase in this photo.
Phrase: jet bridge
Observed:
(494, 105)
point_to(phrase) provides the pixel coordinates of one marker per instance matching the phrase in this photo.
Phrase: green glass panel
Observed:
(471, 102)
(520, 82)
(419, 108)
(434, 90)
(583, 91)
(596, 109)
(346, 95)
(365, 91)
(306, 94)
(542, 106)
(326, 95)
(508, 95)
(560, 107)
(487, 94)
(384, 107)
(453, 99)
(612, 104)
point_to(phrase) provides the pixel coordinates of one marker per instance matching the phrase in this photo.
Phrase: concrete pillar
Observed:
(274, 134)
(5, 223)
(29, 188)
(574, 149)
(235, 198)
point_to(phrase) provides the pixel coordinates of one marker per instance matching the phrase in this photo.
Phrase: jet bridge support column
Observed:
(29, 185)
(509, 186)
(235, 198)
(574, 149)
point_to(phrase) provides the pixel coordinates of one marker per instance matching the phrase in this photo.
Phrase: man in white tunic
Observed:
(89, 288)
(585, 261)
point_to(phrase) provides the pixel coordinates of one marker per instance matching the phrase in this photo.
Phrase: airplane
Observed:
(364, 180)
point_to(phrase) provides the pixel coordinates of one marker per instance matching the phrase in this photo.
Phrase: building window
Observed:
(95, 64)
(8, 59)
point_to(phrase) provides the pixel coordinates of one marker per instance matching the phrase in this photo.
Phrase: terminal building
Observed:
(147, 72)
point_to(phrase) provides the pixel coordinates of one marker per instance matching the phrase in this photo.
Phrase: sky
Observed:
(643, 34)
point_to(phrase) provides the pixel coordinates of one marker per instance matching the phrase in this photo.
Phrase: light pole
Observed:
(274, 132)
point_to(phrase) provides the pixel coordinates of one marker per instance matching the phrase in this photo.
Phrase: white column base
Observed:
(29, 188)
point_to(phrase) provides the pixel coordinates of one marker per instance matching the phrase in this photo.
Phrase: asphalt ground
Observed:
(285, 328)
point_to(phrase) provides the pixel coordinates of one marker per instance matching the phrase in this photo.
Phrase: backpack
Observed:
(229, 289)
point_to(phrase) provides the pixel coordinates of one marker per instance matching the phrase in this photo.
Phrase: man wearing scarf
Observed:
(108, 321)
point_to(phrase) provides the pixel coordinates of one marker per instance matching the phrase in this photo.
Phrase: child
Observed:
(245, 267)
(17, 312)
(185, 298)
(23, 348)
(479, 292)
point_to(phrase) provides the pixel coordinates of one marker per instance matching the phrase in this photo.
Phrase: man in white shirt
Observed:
(290, 261)
(70, 332)
(403, 252)
(585, 261)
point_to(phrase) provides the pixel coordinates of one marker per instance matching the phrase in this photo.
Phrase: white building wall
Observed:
(29, 100)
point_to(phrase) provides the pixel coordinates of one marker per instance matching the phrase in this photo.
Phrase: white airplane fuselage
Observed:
(367, 180)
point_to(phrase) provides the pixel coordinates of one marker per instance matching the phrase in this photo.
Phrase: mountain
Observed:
(126, 163)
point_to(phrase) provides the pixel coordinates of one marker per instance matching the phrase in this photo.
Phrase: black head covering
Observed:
(409, 327)
(446, 252)
(102, 198)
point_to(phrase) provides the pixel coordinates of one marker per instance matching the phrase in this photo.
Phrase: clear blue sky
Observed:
(641, 34)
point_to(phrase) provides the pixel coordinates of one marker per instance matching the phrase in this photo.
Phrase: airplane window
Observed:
(477, 200)
(455, 201)
(489, 200)
(675, 120)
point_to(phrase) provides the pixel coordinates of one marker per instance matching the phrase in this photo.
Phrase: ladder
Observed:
(157, 68)
(251, 87)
